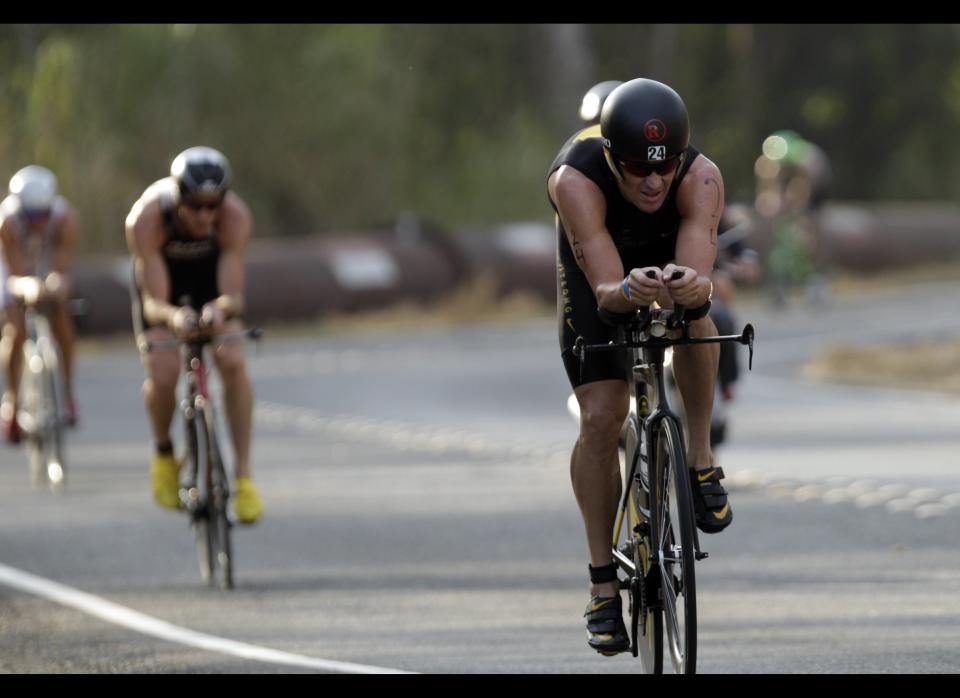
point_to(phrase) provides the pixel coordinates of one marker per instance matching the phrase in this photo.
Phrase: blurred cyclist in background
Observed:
(188, 235)
(38, 230)
(593, 100)
(793, 179)
(737, 264)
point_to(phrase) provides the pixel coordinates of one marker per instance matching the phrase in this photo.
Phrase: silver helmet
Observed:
(35, 186)
(201, 170)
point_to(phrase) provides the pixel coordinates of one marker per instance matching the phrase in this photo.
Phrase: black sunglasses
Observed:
(645, 169)
(34, 214)
(200, 205)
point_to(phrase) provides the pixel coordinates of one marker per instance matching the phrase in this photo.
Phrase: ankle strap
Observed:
(604, 574)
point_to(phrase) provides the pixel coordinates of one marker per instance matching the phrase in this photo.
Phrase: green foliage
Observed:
(340, 127)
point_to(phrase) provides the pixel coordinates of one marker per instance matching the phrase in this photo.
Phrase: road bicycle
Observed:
(657, 549)
(204, 485)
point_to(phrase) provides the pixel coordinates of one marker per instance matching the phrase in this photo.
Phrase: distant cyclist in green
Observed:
(793, 182)
(633, 196)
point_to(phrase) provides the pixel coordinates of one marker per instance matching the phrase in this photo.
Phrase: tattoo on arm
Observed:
(578, 254)
(715, 216)
(577, 249)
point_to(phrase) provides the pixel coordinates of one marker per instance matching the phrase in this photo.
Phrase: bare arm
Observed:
(58, 280)
(235, 231)
(145, 239)
(700, 201)
(582, 209)
(19, 282)
(13, 257)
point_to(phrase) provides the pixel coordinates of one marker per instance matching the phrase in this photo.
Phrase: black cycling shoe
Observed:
(713, 512)
(606, 632)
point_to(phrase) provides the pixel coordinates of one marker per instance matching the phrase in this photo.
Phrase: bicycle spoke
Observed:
(670, 604)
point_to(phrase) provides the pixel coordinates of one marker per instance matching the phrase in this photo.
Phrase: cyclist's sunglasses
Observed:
(35, 214)
(200, 205)
(645, 169)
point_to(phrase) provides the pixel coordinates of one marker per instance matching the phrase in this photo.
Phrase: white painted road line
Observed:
(142, 623)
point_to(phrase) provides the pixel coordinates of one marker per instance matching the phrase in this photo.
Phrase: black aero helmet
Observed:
(644, 121)
(593, 101)
(201, 170)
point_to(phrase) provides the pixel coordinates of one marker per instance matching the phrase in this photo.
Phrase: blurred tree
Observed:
(339, 127)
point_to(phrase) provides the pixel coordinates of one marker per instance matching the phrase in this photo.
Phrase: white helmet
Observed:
(35, 186)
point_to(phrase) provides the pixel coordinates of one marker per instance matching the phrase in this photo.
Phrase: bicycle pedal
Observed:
(701, 555)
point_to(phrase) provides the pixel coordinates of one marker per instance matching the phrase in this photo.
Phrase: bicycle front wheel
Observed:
(198, 495)
(218, 497)
(56, 464)
(647, 628)
(675, 547)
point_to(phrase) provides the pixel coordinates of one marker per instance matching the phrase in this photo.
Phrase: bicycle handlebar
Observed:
(643, 314)
(640, 322)
(254, 333)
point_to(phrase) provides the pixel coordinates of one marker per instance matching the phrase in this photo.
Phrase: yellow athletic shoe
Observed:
(165, 471)
(247, 504)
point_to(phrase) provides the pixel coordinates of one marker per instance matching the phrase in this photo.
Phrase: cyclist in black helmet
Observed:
(188, 235)
(631, 197)
(590, 107)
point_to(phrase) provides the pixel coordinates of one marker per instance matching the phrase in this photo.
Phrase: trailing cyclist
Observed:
(188, 234)
(38, 230)
(632, 196)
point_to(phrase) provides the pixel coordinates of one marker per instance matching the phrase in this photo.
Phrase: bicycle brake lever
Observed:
(580, 353)
(746, 337)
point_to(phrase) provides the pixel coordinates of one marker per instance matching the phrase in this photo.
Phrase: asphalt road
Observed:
(419, 516)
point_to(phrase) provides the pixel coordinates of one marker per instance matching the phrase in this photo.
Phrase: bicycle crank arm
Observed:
(626, 564)
(697, 553)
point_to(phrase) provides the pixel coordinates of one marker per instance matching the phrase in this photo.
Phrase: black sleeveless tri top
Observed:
(642, 239)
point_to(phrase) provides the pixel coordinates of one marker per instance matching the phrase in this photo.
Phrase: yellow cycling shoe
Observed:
(247, 504)
(165, 472)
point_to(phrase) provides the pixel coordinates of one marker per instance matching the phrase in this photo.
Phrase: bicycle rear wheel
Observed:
(648, 630)
(675, 547)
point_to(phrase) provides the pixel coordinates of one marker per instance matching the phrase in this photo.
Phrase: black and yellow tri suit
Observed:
(642, 239)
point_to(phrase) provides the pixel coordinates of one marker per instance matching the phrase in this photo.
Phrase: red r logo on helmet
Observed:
(654, 130)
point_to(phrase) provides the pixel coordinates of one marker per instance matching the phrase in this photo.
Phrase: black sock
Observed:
(165, 448)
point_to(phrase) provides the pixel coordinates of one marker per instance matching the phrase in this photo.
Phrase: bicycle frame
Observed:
(196, 400)
(650, 365)
(647, 334)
